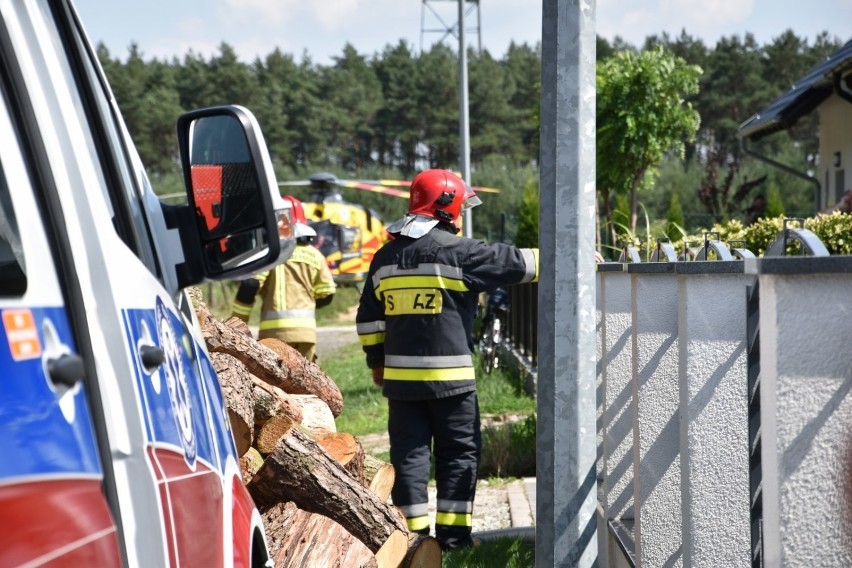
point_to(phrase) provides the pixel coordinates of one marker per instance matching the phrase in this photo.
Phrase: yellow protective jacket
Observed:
(290, 293)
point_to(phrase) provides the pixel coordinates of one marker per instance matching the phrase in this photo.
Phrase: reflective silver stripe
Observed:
(433, 362)
(287, 314)
(448, 506)
(418, 510)
(366, 327)
(426, 269)
(531, 265)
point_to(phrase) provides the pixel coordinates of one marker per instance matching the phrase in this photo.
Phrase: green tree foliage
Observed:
(394, 113)
(675, 222)
(397, 122)
(642, 115)
(774, 201)
(527, 236)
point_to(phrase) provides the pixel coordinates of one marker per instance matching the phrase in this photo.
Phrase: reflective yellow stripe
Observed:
(454, 519)
(451, 374)
(418, 523)
(289, 322)
(324, 289)
(372, 338)
(535, 254)
(280, 290)
(399, 282)
(241, 310)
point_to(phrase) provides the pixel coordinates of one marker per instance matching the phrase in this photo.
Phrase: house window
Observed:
(839, 184)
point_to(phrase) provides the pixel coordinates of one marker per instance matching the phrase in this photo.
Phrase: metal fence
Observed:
(522, 330)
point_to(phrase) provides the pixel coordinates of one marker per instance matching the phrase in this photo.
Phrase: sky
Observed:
(163, 29)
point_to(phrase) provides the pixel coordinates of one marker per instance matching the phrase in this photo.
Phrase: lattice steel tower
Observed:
(441, 16)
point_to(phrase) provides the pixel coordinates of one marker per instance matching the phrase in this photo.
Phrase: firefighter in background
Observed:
(415, 322)
(291, 291)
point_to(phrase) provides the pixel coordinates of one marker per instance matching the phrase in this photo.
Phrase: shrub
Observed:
(508, 450)
(835, 231)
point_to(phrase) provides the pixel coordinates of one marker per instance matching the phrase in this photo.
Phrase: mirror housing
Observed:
(235, 222)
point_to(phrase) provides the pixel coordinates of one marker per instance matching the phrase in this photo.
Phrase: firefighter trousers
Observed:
(448, 428)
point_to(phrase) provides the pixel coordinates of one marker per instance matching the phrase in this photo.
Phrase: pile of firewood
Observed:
(323, 501)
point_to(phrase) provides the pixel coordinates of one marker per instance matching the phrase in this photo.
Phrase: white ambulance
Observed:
(115, 448)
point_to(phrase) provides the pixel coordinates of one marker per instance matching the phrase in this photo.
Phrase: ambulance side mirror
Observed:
(231, 226)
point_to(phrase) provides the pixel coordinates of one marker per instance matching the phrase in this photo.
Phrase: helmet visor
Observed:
(470, 199)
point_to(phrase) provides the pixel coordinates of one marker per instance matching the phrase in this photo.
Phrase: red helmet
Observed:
(301, 229)
(439, 194)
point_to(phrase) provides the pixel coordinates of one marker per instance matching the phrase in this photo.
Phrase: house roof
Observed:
(803, 97)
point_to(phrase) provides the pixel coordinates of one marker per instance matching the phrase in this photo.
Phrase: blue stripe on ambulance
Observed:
(174, 395)
(38, 438)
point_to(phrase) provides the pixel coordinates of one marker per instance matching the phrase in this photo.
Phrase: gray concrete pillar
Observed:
(806, 409)
(617, 402)
(714, 413)
(656, 459)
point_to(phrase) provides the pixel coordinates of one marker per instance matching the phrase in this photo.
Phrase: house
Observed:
(826, 89)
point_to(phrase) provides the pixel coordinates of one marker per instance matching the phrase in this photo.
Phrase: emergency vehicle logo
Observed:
(175, 369)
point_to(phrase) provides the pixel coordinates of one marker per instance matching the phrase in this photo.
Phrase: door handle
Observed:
(66, 369)
(152, 356)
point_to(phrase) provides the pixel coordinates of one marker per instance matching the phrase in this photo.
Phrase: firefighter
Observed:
(414, 322)
(291, 291)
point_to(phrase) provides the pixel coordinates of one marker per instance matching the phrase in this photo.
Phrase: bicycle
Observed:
(491, 335)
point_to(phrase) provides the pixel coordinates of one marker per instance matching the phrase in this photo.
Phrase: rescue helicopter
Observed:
(348, 234)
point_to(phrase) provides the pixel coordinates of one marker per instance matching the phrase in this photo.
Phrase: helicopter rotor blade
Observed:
(296, 183)
(377, 188)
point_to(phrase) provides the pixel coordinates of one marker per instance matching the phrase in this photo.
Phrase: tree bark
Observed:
(299, 471)
(236, 384)
(283, 367)
(305, 539)
(270, 401)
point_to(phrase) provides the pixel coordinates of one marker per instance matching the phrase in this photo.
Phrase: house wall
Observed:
(835, 135)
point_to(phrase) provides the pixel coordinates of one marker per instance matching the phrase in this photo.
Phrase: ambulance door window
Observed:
(122, 174)
(13, 275)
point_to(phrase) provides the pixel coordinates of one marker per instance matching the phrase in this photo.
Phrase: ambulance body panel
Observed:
(114, 436)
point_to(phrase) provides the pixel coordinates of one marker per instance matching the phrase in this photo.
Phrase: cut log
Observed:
(346, 450)
(271, 433)
(307, 376)
(393, 551)
(284, 367)
(316, 415)
(379, 476)
(270, 401)
(281, 522)
(298, 539)
(300, 471)
(236, 384)
(423, 552)
(250, 463)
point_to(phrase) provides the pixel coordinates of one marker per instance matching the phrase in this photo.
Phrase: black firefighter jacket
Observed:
(417, 309)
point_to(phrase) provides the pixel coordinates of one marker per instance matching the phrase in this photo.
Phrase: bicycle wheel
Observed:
(488, 346)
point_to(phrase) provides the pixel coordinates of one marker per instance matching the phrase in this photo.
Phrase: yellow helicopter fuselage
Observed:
(348, 235)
